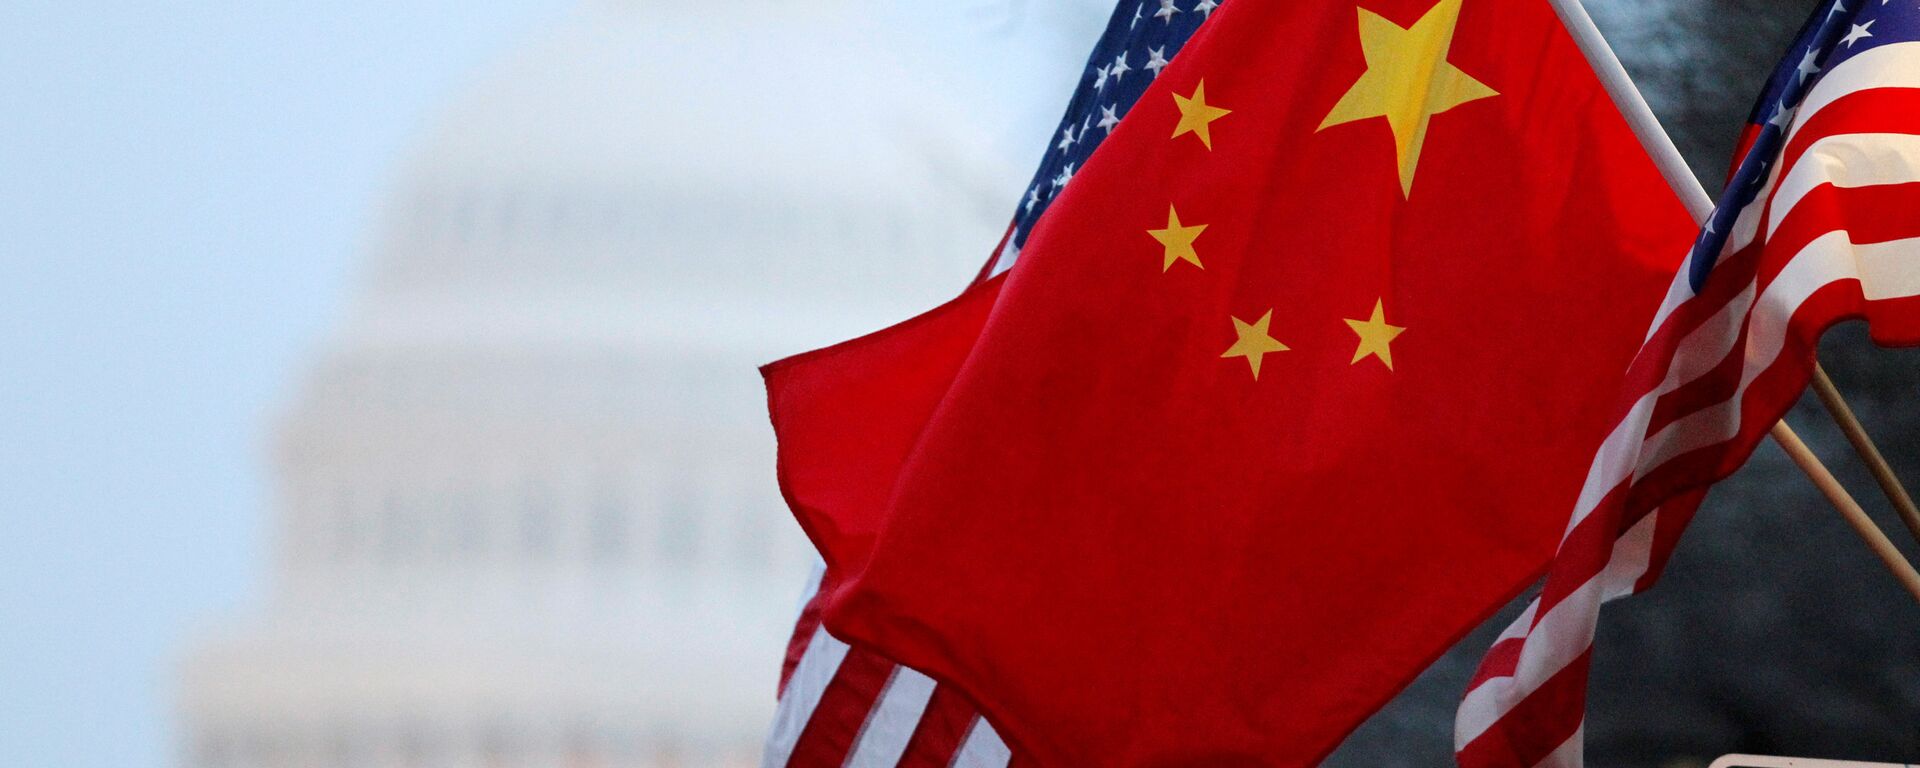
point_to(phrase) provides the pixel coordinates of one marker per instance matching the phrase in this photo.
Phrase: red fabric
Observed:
(836, 722)
(848, 415)
(802, 637)
(943, 726)
(1559, 702)
(1056, 495)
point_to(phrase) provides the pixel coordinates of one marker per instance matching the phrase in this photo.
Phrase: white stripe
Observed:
(1815, 266)
(804, 689)
(1614, 460)
(1561, 636)
(1565, 632)
(1848, 161)
(1008, 256)
(1830, 258)
(891, 723)
(1568, 755)
(1520, 623)
(1889, 66)
(1678, 292)
(1621, 452)
(982, 748)
(813, 587)
(1696, 356)
(1703, 348)
(1889, 270)
(1632, 553)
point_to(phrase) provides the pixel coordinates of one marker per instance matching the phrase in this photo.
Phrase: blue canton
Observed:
(1835, 33)
(1141, 39)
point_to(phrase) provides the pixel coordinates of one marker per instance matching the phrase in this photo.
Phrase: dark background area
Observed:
(1774, 630)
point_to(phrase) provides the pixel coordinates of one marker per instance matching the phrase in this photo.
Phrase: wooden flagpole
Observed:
(1870, 453)
(1849, 509)
(1666, 156)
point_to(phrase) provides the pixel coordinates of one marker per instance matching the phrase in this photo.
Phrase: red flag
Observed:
(1289, 390)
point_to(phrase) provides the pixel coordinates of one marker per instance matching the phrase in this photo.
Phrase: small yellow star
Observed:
(1178, 240)
(1254, 343)
(1408, 81)
(1376, 336)
(1196, 115)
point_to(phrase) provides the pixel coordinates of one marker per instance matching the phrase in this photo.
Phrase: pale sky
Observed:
(185, 188)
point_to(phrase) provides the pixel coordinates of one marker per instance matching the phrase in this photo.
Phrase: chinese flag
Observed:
(1291, 388)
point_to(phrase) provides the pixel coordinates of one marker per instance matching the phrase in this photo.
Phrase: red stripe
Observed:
(1501, 660)
(1766, 400)
(1674, 513)
(1551, 714)
(942, 727)
(1775, 390)
(1875, 110)
(1586, 550)
(1583, 555)
(1884, 203)
(830, 733)
(1873, 214)
(1771, 394)
(1880, 214)
(1715, 386)
(1679, 474)
(1748, 138)
(1894, 322)
(802, 637)
(1656, 357)
(1877, 214)
(1537, 725)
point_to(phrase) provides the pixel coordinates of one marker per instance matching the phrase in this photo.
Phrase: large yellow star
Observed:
(1196, 114)
(1376, 336)
(1178, 240)
(1254, 343)
(1408, 81)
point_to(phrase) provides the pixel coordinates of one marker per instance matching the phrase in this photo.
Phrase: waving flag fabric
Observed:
(1818, 225)
(1281, 398)
(841, 705)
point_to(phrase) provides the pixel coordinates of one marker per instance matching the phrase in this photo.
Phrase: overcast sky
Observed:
(184, 190)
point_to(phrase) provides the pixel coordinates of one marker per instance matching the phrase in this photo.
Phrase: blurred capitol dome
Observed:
(525, 503)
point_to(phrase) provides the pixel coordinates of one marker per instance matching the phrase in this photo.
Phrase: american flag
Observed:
(1141, 39)
(848, 706)
(1817, 225)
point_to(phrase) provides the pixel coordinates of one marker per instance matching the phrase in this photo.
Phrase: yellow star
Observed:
(1408, 81)
(1178, 240)
(1196, 115)
(1376, 337)
(1254, 343)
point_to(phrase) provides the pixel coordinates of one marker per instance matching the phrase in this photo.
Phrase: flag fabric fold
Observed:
(1815, 227)
(902, 717)
(1278, 403)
